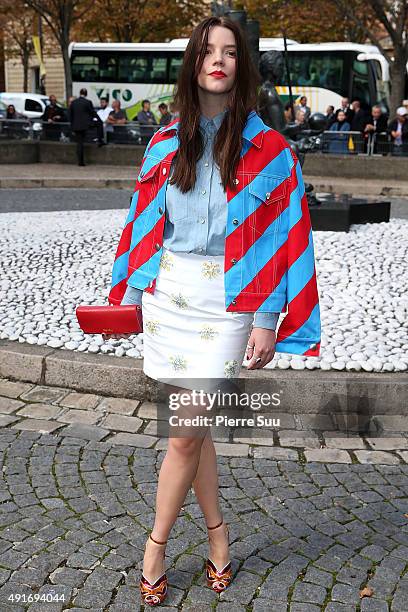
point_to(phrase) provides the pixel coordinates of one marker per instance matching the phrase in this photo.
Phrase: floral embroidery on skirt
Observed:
(188, 333)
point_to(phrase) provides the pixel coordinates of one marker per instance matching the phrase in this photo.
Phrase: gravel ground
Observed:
(53, 261)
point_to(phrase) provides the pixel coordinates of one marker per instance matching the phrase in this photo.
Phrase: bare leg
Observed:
(206, 489)
(205, 483)
(177, 472)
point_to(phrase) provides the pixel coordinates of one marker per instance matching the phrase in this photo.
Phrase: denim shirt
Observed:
(195, 221)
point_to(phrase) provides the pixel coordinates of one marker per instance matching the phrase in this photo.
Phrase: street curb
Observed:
(305, 391)
(372, 188)
(67, 183)
(321, 184)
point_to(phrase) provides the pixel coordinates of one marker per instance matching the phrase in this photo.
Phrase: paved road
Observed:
(34, 200)
(41, 200)
(76, 506)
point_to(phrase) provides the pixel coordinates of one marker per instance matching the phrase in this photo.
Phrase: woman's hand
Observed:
(263, 342)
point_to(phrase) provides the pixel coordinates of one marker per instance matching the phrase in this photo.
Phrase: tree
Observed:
(16, 23)
(393, 17)
(143, 21)
(60, 16)
(307, 21)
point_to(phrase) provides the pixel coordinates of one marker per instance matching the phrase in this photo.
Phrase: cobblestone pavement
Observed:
(314, 517)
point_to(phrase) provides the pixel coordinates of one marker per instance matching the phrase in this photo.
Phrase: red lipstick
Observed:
(218, 74)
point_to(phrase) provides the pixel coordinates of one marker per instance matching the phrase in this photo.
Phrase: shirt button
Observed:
(206, 164)
(234, 302)
(202, 220)
(233, 260)
(203, 192)
(235, 221)
(160, 210)
(267, 195)
(236, 181)
(157, 246)
(164, 170)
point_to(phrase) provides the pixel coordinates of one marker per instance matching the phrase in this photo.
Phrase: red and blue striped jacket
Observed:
(269, 263)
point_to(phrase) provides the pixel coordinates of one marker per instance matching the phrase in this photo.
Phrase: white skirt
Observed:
(187, 332)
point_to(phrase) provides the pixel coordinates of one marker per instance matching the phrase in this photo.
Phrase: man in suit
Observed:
(81, 115)
(377, 122)
(376, 126)
(302, 106)
(345, 107)
(360, 119)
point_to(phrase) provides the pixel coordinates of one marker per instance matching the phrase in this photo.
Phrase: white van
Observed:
(28, 104)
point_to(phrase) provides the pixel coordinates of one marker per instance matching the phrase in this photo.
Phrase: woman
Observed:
(300, 118)
(11, 113)
(338, 142)
(218, 230)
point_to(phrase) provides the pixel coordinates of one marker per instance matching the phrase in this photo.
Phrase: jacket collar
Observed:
(253, 130)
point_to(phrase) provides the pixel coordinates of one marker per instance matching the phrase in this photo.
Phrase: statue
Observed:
(270, 109)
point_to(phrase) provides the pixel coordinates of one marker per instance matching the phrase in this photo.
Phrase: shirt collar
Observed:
(205, 122)
(253, 130)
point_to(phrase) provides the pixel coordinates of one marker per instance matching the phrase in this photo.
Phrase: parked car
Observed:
(3, 110)
(28, 104)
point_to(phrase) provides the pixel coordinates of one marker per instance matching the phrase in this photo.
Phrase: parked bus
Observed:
(324, 72)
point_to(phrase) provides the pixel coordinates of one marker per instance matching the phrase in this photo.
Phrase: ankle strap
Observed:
(157, 541)
(216, 525)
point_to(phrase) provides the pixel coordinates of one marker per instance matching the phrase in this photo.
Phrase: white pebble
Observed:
(55, 343)
(363, 299)
(71, 345)
(353, 365)
(132, 353)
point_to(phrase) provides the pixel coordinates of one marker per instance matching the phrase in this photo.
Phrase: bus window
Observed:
(175, 64)
(107, 68)
(324, 70)
(94, 68)
(132, 68)
(143, 67)
(360, 89)
(82, 65)
(382, 88)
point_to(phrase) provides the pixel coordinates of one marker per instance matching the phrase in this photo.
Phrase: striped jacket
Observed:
(269, 256)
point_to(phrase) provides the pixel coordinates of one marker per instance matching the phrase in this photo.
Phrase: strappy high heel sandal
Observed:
(217, 579)
(153, 593)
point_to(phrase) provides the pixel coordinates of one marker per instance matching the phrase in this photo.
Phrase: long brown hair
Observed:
(242, 100)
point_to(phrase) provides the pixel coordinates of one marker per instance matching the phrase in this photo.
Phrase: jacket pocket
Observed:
(178, 204)
(267, 196)
(152, 175)
(149, 169)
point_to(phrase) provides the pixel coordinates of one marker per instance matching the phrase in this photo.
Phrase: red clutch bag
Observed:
(126, 319)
